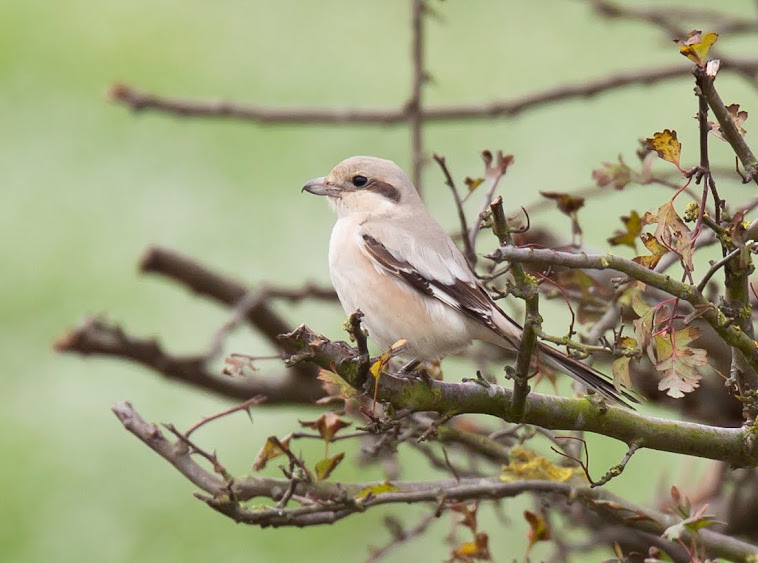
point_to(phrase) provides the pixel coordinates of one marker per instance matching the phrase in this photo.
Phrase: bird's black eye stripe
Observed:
(359, 181)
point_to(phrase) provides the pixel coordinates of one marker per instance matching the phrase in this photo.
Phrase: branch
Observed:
(527, 289)
(332, 502)
(468, 251)
(730, 131)
(733, 445)
(414, 107)
(207, 283)
(94, 336)
(137, 100)
(710, 313)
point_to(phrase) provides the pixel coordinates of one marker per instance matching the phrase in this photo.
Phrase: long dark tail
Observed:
(587, 375)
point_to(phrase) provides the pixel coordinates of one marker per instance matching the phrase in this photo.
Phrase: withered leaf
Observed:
(477, 549)
(679, 363)
(538, 529)
(270, 450)
(327, 425)
(566, 202)
(657, 250)
(737, 116)
(671, 232)
(618, 175)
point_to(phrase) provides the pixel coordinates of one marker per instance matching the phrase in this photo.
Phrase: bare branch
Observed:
(414, 106)
(141, 101)
(468, 251)
(94, 336)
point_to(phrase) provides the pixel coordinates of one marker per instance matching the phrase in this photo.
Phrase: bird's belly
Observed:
(393, 310)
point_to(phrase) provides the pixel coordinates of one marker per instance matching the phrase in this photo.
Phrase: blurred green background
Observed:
(87, 186)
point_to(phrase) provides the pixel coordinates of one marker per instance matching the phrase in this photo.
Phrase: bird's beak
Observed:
(319, 186)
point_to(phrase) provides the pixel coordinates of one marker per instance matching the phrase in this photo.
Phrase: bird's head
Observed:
(366, 185)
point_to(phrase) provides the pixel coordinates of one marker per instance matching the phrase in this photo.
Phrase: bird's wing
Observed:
(436, 268)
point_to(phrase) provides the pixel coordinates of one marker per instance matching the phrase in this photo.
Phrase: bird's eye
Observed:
(359, 181)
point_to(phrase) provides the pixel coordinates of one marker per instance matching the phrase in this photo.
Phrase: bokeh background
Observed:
(86, 186)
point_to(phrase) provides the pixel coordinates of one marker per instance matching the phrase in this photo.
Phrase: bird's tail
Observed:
(585, 374)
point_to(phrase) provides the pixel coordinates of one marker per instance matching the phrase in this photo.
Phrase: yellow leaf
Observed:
(325, 467)
(666, 145)
(473, 183)
(633, 225)
(697, 45)
(526, 464)
(345, 390)
(538, 529)
(477, 549)
(377, 490)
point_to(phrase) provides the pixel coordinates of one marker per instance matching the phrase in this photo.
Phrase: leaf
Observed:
(538, 529)
(633, 226)
(236, 364)
(666, 145)
(327, 425)
(477, 549)
(335, 385)
(620, 369)
(672, 232)
(386, 487)
(612, 174)
(473, 183)
(654, 246)
(697, 45)
(566, 202)
(325, 467)
(526, 464)
(569, 205)
(469, 514)
(679, 363)
(643, 327)
(270, 450)
(738, 118)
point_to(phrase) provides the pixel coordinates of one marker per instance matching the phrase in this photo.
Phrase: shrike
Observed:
(390, 258)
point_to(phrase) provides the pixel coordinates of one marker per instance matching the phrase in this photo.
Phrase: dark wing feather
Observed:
(472, 299)
(469, 298)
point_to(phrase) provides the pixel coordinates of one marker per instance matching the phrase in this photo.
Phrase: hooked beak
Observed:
(319, 186)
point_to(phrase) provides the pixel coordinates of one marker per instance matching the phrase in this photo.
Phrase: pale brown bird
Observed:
(390, 259)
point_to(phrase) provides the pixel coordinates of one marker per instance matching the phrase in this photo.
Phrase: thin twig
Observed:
(244, 406)
(468, 251)
(414, 106)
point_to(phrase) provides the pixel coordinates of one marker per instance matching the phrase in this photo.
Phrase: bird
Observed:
(390, 259)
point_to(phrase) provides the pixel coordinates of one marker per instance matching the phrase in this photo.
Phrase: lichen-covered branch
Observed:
(733, 445)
